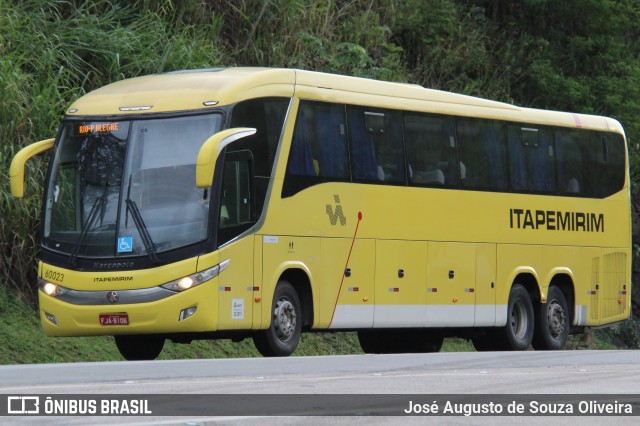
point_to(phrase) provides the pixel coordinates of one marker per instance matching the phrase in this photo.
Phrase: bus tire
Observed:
(518, 332)
(552, 322)
(144, 347)
(283, 334)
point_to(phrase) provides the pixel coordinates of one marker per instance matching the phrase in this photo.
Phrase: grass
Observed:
(457, 345)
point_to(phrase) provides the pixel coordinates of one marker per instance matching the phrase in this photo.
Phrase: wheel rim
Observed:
(284, 320)
(556, 319)
(519, 319)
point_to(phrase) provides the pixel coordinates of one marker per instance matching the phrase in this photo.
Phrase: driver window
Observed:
(235, 214)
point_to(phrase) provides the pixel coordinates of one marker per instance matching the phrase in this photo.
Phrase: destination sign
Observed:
(98, 128)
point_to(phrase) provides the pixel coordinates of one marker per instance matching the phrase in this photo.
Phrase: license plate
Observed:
(121, 318)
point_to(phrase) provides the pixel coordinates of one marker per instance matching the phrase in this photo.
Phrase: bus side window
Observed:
(431, 150)
(318, 148)
(267, 116)
(613, 176)
(570, 162)
(483, 154)
(301, 153)
(605, 158)
(531, 158)
(236, 202)
(330, 151)
(375, 138)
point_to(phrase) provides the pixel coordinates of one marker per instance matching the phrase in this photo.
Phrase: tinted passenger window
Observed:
(482, 153)
(572, 160)
(613, 165)
(531, 159)
(431, 150)
(375, 137)
(590, 164)
(319, 147)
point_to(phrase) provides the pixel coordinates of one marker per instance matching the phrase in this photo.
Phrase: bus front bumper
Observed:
(193, 310)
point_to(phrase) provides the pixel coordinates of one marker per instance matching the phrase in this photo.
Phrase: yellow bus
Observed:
(261, 203)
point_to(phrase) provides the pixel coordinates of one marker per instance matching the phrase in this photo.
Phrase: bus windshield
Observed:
(127, 188)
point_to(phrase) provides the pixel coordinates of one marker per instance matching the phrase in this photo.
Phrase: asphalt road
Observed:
(490, 373)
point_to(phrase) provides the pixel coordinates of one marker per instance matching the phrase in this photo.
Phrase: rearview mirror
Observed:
(16, 171)
(211, 149)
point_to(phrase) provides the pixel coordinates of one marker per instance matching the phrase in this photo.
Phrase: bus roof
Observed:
(184, 90)
(207, 88)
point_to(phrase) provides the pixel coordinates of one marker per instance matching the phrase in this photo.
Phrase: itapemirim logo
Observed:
(337, 213)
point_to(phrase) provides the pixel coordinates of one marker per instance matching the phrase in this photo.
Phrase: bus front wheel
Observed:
(139, 347)
(552, 322)
(283, 334)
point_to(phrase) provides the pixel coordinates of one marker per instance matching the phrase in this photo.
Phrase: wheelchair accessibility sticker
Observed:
(125, 244)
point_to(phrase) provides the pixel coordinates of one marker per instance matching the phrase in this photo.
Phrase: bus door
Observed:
(401, 284)
(236, 215)
(451, 282)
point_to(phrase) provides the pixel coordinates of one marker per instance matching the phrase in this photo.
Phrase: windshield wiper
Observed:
(142, 230)
(93, 213)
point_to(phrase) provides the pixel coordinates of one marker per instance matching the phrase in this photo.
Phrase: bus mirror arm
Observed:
(16, 171)
(211, 149)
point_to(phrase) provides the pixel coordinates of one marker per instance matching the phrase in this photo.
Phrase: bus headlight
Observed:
(190, 281)
(185, 283)
(51, 289)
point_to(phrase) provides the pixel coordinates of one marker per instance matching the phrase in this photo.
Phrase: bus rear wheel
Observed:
(283, 334)
(552, 322)
(139, 347)
(518, 332)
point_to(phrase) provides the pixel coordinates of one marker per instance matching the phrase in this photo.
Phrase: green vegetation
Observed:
(578, 55)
